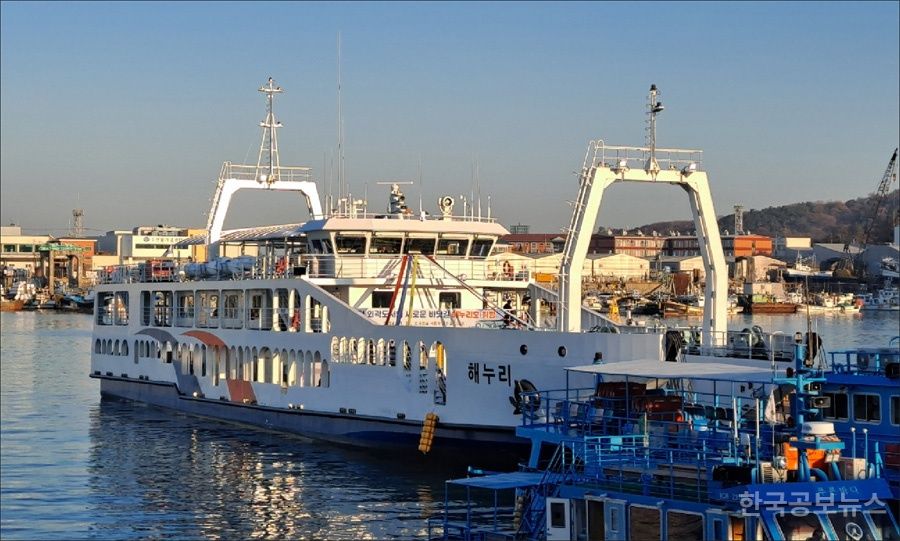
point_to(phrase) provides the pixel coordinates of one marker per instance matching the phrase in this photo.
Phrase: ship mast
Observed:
(654, 107)
(267, 165)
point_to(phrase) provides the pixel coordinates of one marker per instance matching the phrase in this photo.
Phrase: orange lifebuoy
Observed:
(281, 265)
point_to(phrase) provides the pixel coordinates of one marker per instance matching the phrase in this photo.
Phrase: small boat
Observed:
(11, 305)
(862, 385)
(659, 450)
(805, 270)
(885, 299)
(77, 303)
(771, 308)
(678, 309)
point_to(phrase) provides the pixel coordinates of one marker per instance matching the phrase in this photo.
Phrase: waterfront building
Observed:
(23, 256)
(781, 245)
(535, 243)
(733, 245)
(635, 244)
(624, 266)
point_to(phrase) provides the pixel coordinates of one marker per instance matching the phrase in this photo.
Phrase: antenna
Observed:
(78, 223)
(739, 220)
(267, 166)
(421, 186)
(478, 185)
(654, 107)
(340, 121)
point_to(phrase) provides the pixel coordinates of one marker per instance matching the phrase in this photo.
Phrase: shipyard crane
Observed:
(850, 263)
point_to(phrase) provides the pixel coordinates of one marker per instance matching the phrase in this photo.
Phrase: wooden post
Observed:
(50, 273)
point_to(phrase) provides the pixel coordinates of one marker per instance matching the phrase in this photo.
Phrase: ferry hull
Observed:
(333, 427)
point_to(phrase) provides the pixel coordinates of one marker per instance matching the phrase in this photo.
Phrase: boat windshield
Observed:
(847, 525)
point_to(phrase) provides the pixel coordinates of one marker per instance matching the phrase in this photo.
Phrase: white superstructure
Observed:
(353, 325)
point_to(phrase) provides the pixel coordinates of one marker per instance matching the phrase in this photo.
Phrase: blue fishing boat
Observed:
(863, 388)
(687, 450)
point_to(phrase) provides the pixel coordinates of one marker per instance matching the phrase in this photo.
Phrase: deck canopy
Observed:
(263, 233)
(501, 481)
(649, 368)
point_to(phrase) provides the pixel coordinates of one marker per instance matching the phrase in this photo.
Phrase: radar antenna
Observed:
(267, 165)
(654, 107)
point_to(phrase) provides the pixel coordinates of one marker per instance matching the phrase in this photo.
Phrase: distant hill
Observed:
(822, 221)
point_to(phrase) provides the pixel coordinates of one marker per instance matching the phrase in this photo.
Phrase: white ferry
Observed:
(355, 325)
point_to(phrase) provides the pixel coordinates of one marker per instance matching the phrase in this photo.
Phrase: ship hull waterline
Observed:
(346, 429)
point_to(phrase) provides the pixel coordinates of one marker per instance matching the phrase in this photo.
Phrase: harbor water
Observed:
(75, 466)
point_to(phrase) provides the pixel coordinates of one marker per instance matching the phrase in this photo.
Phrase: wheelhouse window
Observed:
(449, 300)
(839, 407)
(481, 248)
(452, 246)
(350, 244)
(643, 523)
(895, 410)
(208, 309)
(162, 308)
(867, 408)
(419, 246)
(121, 308)
(232, 307)
(684, 525)
(184, 316)
(801, 527)
(385, 245)
(105, 308)
(382, 299)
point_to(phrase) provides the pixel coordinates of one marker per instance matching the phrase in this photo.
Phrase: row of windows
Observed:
(384, 353)
(111, 347)
(288, 368)
(447, 300)
(394, 245)
(866, 408)
(643, 522)
(257, 309)
(19, 248)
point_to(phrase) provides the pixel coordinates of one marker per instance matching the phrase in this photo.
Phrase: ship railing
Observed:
(865, 360)
(254, 319)
(388, 267)
(680, 420)
(601, 154)
(364, 215)
(749, 343)
(252, 172)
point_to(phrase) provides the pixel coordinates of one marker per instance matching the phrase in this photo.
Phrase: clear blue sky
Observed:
(128, 109)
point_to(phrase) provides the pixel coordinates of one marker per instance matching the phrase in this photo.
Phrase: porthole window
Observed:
(561, 351)
(523, 349)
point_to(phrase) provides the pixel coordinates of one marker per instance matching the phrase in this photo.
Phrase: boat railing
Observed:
(253, 172)
(388, 268)
(865, 360)
(365, 215)
(601, 154)
(344, 266)
(747, 343)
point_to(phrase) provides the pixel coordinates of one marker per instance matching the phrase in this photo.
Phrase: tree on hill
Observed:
(832, 221)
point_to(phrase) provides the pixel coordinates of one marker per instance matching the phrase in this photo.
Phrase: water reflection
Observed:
(74, 466)
(175, 476)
